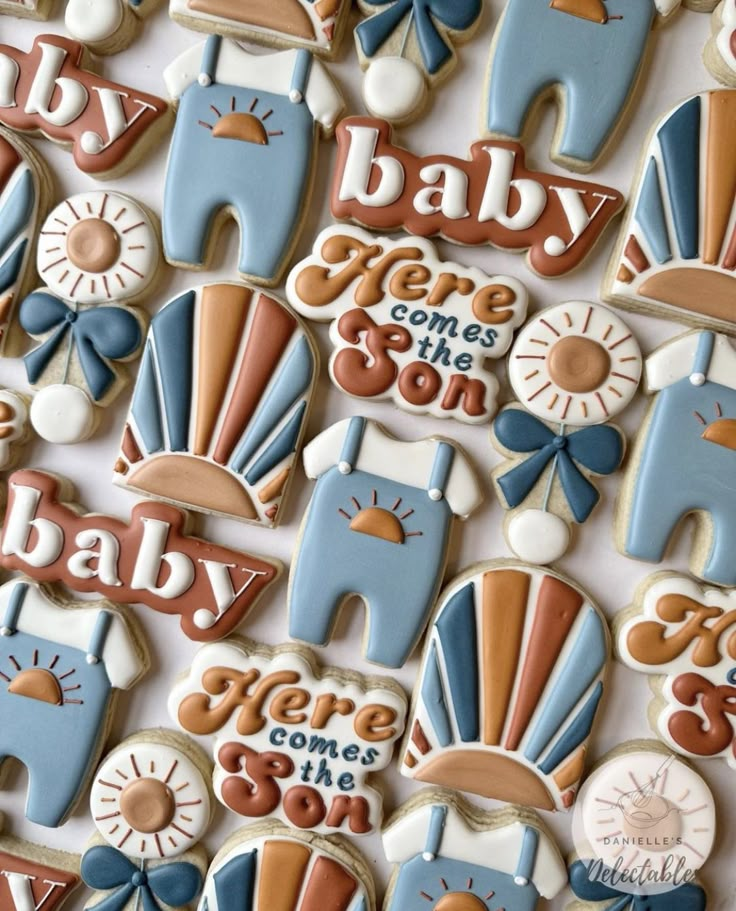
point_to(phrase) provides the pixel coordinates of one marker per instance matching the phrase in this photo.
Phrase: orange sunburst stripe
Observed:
(283, 868)
(720, 175)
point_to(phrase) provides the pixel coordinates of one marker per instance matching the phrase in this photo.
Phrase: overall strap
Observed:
(434, 833)
(210, 56)
(702, 359)
(96, 645)
(443, 458)
(12, 611)
(351, 445)
(527, 857)
(300, 76)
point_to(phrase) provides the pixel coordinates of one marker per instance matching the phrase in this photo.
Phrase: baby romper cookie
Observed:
(244, 147)
(270, 866)
(61, 663)
(49, 91)
(680, 634)
(720, 51)
(573, 366)
(237, 370)
(406, 325)
(453, 855)
(493, 198)
(511, 680)
(406, 47)
(676, 252)
(317, 25)
(378, 526)
(682, 458)
(292, 740)
(106, 26)
(98, 252)
(646, 818)
(587, 55)
(152, 560)
(33, 877)
(151, 802)
(25, 185)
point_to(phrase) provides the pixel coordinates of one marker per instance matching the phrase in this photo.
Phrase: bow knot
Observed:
(686, 897)
(599, 449)
(97, 333)
(104, 868)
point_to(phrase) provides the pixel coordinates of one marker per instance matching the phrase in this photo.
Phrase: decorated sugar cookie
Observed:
(511, 681)
(151, 559)
(27, 9)
(493, 198)
(406, 46)
(60, 665)
(98, 252)
(151, 802)
(683, 458)
(643, 828)
(573, 367)
(50, 91)
(106, 26)
(270, 866)
(244, 147)
(586, 55)
(407, 326)
(317, 25)
(378, 526)
(679, 633)
(14, 427)
(33, 877)
(237, 370)
(24, 188)
(720, 51)
(292, 740)
(448, 854)
(676, 253)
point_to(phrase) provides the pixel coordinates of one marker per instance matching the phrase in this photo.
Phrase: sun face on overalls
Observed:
(453, 900)
(95, 247)
(378, 522)
(577, 366)
(241, 125)
(150, 802)
(592, 10)
(41, 683)
(721, 431)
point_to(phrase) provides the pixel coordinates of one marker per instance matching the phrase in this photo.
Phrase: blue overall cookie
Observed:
(378, 526)
(244, 146)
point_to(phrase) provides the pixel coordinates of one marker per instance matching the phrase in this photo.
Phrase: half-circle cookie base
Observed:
(698, 291)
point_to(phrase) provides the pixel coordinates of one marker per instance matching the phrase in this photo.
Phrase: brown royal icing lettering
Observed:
(151, 560)
(47, 91)
(491, 199)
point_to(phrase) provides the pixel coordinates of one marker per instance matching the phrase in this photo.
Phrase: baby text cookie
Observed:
(60, 665)
(24, 190)
(317, 25)
(644, 826)
(33, 877)
(510, 685)
(151, 802)
(573, 367)
(406, 46)
(49, 90)
(98, 252)
(301, 872)
(585, 54)
(237, 370)
(676, 252)
(378, 526)
(680, 634)
(151, 560)
(720, 51)
(244, 146)
(450, 854)
(493, 198)
(406, 325)
(682, 463)
(292, 740)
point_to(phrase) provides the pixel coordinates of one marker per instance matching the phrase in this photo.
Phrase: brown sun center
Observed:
(578, 364)
(460, 901)
(147, 805)
(93, 245)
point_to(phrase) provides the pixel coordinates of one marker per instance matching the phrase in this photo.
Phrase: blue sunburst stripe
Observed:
(173, 333)
(456, 627)
(679, 139)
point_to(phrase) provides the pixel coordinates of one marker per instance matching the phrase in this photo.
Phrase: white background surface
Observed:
(449, 126)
